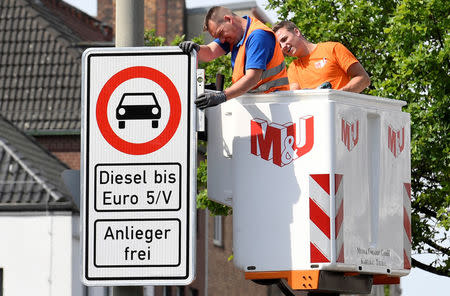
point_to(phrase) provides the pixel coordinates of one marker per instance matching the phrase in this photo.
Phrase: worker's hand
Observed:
(325, 85)
(210, 98)
(189, 46)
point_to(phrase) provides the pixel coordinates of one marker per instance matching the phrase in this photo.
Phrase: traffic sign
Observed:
(138, 166)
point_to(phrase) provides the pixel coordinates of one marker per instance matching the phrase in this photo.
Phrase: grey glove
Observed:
(210, 98)
(325, 85)
(189, 46)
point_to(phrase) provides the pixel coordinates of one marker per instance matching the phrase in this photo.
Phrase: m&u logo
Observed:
(320, 64)
(349, 133)
(396, 140)
(272, 141)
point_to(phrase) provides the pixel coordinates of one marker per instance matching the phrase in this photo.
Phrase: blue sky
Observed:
(419, 282)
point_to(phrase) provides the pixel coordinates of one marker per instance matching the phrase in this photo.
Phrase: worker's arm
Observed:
(210, 52)
(246, 83)
(205, 53)
(259, 51)
(359, 79)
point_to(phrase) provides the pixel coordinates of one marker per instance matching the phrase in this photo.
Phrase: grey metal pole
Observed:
(129, 23)
(129, 33)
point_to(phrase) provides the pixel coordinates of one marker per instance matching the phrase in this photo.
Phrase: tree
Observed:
(404, 46)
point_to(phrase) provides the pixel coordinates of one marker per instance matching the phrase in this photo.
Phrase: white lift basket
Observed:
(318, 180)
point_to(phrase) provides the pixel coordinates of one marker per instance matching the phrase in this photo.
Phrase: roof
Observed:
(30, 177)
(41, 43)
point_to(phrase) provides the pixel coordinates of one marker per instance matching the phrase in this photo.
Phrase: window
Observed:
(180, 291)
(217, 239)
(107, 291)
(167, 291)
(193, 292)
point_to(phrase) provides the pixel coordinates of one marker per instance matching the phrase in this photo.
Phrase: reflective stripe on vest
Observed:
(270, 84)
(274, 71)
(271, 78)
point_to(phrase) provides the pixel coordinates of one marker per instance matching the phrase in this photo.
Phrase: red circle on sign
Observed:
(102, 106)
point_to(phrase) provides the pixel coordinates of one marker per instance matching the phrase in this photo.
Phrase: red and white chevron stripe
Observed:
(339, 218)
(319, 214)
(407, 225)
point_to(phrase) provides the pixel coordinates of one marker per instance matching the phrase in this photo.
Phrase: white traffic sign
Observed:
(138, 166)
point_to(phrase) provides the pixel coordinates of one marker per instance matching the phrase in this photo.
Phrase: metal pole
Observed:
(129, 33)
(129, 23)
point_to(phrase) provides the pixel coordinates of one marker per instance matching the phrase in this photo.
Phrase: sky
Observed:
(422, 283)
(418, 282)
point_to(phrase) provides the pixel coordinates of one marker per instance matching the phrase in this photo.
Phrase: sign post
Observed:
(138, 166)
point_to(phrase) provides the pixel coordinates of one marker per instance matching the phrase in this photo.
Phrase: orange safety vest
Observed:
(275, 76)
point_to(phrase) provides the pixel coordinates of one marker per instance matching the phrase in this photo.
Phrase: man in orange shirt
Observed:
(318, 63)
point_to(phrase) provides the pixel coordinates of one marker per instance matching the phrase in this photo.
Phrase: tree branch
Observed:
(429, 268)
(440, 39)
(436, 246)
(425, 211)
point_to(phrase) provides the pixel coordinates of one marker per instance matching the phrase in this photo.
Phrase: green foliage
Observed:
(177, 40)
(404, 46)
(151, 39)
(222, 65)
(203, 202)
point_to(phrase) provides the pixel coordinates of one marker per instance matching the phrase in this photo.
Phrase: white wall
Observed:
(77, 286)
(36, 254)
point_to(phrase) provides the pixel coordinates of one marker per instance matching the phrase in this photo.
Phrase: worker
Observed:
(319, 63)
(256, 57)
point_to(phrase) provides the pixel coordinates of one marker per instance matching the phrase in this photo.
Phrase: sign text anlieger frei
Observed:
(138, 166)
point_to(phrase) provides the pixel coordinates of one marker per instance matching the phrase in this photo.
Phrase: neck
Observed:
(242, 24)
(308, 47)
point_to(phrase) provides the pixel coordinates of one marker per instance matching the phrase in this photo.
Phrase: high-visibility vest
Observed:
(275, 75)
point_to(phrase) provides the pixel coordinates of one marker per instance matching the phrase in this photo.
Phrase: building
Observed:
(41, 43)
(166, 17)
(36, 218)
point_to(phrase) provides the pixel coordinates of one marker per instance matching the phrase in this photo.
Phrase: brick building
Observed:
(166, 17)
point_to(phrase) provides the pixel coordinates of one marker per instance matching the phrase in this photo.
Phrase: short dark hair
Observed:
(216, 14)
(288, 25)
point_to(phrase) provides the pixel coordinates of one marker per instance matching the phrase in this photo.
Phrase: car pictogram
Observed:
(134, 106)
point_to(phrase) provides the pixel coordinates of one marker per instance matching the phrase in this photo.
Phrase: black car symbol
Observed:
(138, 106)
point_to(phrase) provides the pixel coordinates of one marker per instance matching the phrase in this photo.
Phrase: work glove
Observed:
(189, 46)
(210, 98)
(325, 85)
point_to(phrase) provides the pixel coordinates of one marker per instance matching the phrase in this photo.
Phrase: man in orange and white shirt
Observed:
(319, 63)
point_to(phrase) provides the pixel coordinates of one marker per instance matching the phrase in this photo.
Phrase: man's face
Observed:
(227, 32)
(290, 41)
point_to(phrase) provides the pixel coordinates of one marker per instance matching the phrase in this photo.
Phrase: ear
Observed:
(227, 18)
(297, 32)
